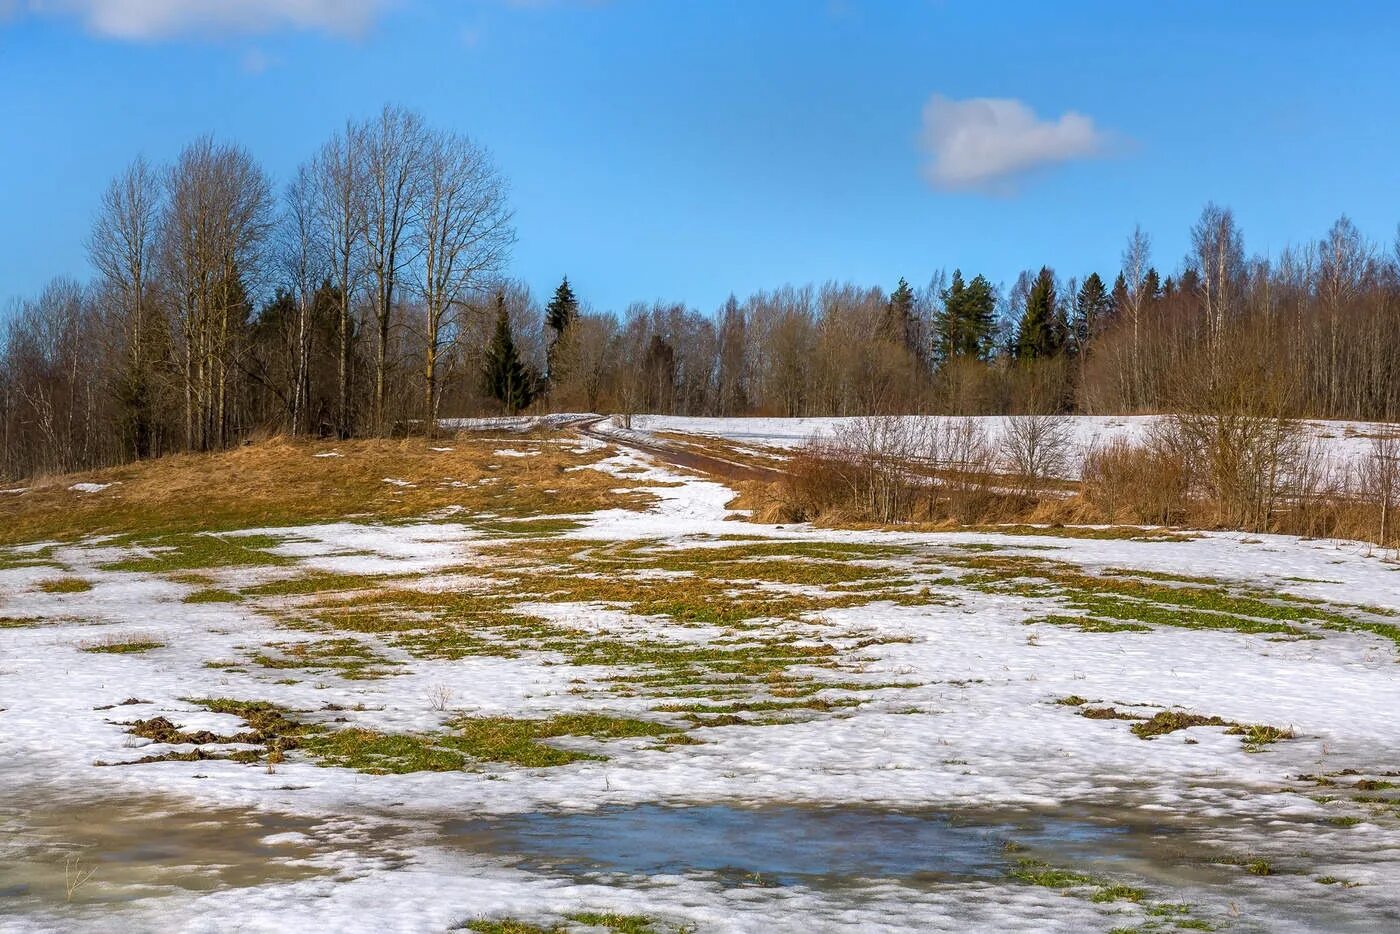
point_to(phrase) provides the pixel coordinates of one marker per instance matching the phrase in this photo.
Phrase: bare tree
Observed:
(337, 176)
(464, 235)
(1344, 261)
(394, 146)
(1218, 260)
(1136, 261)
(217, 217)
(1035, 449)
(304, 262)
(120, 247)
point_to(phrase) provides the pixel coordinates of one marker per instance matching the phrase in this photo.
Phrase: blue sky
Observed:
(684, 150)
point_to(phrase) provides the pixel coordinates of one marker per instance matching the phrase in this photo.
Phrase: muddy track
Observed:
(680, 457)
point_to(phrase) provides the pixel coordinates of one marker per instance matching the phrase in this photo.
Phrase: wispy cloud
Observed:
(985, 143)
(164, 19)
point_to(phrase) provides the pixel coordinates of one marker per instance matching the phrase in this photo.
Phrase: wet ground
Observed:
(123, 849)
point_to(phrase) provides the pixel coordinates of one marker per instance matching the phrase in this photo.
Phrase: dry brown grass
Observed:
(280, 482)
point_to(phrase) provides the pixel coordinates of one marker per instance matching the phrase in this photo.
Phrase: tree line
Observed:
(369, 295)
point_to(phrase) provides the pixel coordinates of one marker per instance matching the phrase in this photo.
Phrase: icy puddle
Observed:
(789, 845)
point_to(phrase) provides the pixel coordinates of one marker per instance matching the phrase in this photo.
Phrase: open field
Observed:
(541, 682)
(1341, 442)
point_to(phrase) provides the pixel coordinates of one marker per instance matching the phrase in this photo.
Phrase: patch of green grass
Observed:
(1038, 872)
(525, 528)
(65, 585)
(1118, 893)
(213, 595)
(622, 924)
(518, 742)
(14, 559)
(1088, 623)
(1169, 721)
(1255, 735)
(187, 552)
(1121, 596)
(473, 739)
(316, 582)
(510, 926)
(19, 622)
(1369, 784)
(383, 753)
(124, 644)
(1164, 722)
(351, 658)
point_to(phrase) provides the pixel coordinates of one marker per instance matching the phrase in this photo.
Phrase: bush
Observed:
(1136, 483)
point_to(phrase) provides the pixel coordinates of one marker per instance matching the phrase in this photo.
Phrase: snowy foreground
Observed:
(952, 679)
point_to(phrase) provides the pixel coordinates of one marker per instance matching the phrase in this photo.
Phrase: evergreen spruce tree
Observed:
(980, 318)
(966, 325)
(559, 315)
(505, 377)
(562, 309)
(1152, 284)
(898, 325)
(1120, 294)
(1040, 332)
(946, 319)
(1092, 307)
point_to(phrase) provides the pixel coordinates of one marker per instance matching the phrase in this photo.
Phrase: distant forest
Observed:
(370, 295)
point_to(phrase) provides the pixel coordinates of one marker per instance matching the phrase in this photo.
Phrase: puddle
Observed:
(122, 849)
(785, 845)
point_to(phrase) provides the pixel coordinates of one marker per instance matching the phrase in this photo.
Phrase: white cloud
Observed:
(162, 19)
(985, 142)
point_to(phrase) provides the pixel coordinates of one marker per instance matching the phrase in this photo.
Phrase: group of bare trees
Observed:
(362, 300)
(221, 308)
(1309, 333)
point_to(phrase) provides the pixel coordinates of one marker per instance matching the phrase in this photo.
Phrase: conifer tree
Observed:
(980, 317)
(1152, 284)
(1039, 333)
(505, 377)
(559, 315)
(1120, 295)
(1092, 306)
(898, 324)
(562, 309)
(966, 324)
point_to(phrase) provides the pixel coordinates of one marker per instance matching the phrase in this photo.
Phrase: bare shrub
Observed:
(1314, 492)
(892, 469)
(881, 452)
(440, 697)
(1241, 463)
(1136, 483)
(965, 460)
(1377, 485)
(1035, 449)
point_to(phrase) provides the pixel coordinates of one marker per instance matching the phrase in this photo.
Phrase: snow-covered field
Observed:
(1341, 442)
(994, 680)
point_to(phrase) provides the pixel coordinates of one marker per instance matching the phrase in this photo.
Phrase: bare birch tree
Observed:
(337, 175)
(394, 147)
(120, 248)
(1136, 261)
(217, 218)
(464, 238)
(304, 262)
